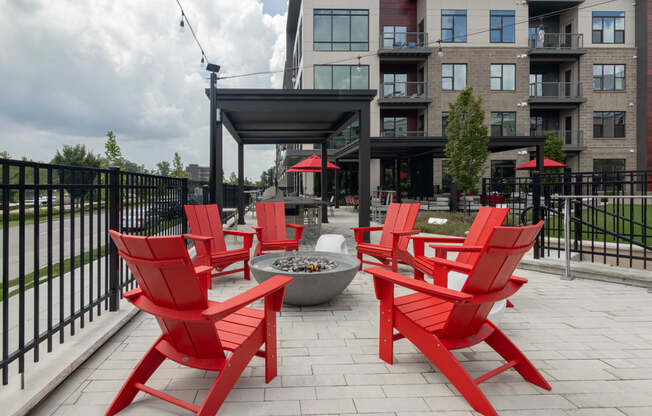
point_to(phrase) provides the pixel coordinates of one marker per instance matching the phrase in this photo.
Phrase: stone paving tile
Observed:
(591, 340)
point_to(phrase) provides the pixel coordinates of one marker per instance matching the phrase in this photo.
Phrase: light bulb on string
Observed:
(440, 51)
(201, 65)
(357, 68)
(182, 25)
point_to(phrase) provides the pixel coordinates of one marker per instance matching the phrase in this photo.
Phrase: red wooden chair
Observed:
(205, 220)
(438, 320)
(399, 224)
(196, 331)
(483, 225)
(271, 228)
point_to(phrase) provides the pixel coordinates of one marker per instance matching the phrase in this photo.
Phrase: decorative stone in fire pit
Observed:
(318, 276)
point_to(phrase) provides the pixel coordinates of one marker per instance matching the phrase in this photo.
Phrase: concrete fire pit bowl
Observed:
(309, 288)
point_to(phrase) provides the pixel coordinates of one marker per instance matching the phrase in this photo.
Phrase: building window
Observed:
(453, 26)
(608, 27)
(608, 124)
(444, 122)
(503, 123)
(608, 165)
(453, 77)
(609, 77)
(395, 126)
(394, 85)
(502, 26)
(503, 77)
(341, 77)
(394, 36)
(341, 30)
(501, 169)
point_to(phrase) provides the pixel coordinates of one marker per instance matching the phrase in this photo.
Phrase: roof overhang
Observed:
(280, 116)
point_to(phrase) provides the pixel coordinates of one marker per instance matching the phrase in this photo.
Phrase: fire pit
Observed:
(318, 276)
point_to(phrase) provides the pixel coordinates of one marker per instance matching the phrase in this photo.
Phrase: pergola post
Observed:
(397, 180)
(241, 198)
(337, 187)
(324, 181)
(364, 187)
(215, 131)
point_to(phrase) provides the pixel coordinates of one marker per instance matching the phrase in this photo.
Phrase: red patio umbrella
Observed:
(312, 164)
(547, 164)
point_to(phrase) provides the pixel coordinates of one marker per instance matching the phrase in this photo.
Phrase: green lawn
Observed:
(457, 224)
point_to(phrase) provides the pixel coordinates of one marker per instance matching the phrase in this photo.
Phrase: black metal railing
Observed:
(60, 269)
(612, 226)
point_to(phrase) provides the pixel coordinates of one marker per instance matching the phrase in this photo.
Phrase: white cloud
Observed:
(72, 70)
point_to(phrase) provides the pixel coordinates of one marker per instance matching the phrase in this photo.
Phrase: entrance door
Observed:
(567, 83)
(568, 41)
(568, 130)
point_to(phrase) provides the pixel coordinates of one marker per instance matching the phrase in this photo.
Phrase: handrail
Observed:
(407, 89)
(557, 41)
(556, 89)
(403, 40)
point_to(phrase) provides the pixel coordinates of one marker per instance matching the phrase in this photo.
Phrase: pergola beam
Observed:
(226, 120)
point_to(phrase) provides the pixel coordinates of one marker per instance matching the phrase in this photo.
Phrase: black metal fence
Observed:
(615, 230)
(59, 269)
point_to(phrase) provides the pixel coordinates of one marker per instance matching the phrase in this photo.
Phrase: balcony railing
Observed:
(403, 133)
(403, 40)
(556, 90)
(551, 41)
(405, 89)
(574, 138)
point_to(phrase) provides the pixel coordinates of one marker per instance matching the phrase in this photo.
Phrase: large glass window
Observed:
(503, 77)
(395, 126)
(502, 26)
(608, 124)
(394, 85)
(453, 26)
(394, 36)
(453, 77)
(608, 165)
(608, 27)
(341, 30)
(341, 77)
(609, 77)
(503, 123)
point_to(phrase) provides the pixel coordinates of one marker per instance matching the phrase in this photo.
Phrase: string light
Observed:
(357, 68)
(440, 51)
(182, 24)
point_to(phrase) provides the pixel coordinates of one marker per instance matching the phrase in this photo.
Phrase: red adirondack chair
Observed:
(196, 331)
(399, 224)
(205, 220)
(483, 225)
(271, 229)
(437, 319)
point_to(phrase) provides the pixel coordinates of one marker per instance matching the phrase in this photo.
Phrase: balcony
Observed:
(556, 47)
(556, 94)
(398, 133)
(573, 139)
(404, 46)
(404, 95)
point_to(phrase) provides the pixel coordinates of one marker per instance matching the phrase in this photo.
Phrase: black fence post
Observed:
(483, 197)
(206, 194)
(114, 214)
(184, 202)
(578, 213)
(536, 210)
(453, 201)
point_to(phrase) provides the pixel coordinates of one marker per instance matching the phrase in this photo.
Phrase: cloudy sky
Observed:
(72, 70)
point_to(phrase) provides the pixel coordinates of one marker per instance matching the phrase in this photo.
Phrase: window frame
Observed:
(501, 77)
(502, 123)
(350, 13)
(452, 77)
(351, 69)
(393, 34)
(616, 78)
(394, 119)
(501, 29)
(616, 128)
(453, 13)
(615, 15)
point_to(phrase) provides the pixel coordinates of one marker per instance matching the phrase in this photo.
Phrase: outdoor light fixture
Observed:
(212, 67)
(357, 68)
(522, 152)
(440, 51)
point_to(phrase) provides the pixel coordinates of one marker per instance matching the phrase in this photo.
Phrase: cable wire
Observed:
(437, 42)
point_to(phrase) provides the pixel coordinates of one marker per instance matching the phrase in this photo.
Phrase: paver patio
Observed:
(591, 340)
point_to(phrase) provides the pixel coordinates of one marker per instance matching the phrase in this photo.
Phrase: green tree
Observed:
(5, 155)
(163, 168)
(77, 155)
(177, 167)
(467, 146)
(267, 178)
(553, 147)
(233, 179)
(112, 151)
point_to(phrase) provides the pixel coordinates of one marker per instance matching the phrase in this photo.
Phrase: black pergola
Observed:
(272, 116)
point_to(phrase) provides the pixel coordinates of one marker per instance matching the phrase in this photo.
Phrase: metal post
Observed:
(364, 186)
(483, 196)
(218, 190)
(114, 214)
(324, 182)
(206, 194)
(184, 201)
(536, 209)
(213, 143)
(567, 245)
(241, 194)
(453, 205)
(397, 174)
(337, 187)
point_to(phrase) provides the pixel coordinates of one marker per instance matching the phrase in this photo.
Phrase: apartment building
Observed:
(569, 67)
(198, 173)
